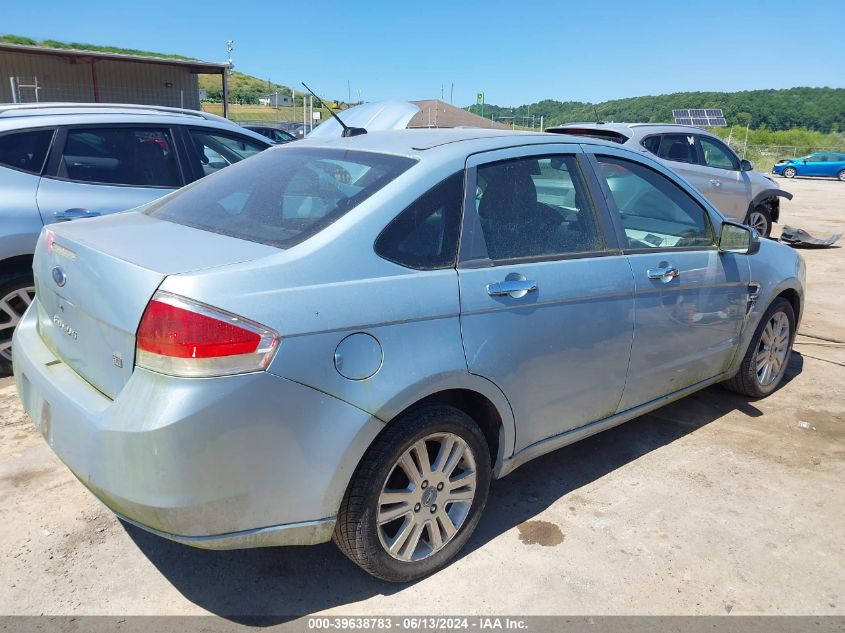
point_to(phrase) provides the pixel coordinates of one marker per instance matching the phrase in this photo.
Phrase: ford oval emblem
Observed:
(59, 276)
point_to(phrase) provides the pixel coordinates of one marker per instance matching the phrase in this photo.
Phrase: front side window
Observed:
(142, 157)
(655, 212)
(25, 150)
(535, 207)
(678, 147)
(425, 235)
(282, 197)
(217, 151)
(817, 158)
(717, 155)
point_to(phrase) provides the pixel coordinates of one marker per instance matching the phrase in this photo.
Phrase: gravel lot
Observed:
(712, 505)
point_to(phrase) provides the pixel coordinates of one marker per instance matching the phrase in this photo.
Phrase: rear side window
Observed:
(138, 157)
(652, 144)
(535, 206)
(678, 147)
(425, 235)
(281, 197)
(25, 150)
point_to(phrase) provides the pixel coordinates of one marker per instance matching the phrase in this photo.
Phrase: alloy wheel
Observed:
(789, 172)
(758, 222)
(12, 307)
(772, 349)
(426, 497)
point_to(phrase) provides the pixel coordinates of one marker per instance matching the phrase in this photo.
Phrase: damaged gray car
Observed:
(704, 161)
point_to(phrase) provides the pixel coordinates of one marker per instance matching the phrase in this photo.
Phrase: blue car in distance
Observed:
(824, 164)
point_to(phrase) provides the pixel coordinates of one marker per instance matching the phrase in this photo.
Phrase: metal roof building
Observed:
(34, 74)
(436, 113)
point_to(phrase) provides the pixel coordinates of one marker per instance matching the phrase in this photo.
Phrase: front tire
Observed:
(767, 356)
(417, 495)
(16, 293)
(760, 219)
(841, 175)
(790, 172)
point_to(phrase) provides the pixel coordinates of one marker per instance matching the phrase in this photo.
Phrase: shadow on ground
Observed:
(269, 586)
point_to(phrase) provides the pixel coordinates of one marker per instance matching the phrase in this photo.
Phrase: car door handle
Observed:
(665, 272)
(516, 288)
(74, 214)
(715, 183)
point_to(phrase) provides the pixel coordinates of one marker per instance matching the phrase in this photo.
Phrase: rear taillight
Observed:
(181, 337)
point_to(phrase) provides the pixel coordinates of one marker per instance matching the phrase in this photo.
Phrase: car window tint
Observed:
(217, 151)
(652, 144)
(656, 213)
(25, 150)
(425, 235)
(121, 156)
(717, 155)
(818, 158)
(282, 197)
(535, 207)
(678, 147)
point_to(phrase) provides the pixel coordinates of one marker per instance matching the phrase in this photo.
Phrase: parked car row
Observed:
(819, 164)
(62, 162)
(704, 161)
(348, 338)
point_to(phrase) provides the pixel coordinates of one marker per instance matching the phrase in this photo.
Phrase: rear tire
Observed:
(16, 293)
(415, 499)
(760, 219)
(789, 172)
(767, 356)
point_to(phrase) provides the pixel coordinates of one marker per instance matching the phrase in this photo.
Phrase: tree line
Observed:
(819, 109)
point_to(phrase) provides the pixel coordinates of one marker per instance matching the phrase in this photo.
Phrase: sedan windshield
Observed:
(281, 197)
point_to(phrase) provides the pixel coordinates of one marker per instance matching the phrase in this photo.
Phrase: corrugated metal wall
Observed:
(68, 79)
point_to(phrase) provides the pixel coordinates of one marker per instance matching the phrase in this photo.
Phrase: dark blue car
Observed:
(825, 164)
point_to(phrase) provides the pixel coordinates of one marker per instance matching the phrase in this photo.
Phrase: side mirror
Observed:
(737, 238)
(746, 165)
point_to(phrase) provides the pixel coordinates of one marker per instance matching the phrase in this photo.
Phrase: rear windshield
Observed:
(281, 197)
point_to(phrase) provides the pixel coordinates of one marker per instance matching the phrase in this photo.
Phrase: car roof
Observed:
(418, 142)
(629, 129)
(19, 116)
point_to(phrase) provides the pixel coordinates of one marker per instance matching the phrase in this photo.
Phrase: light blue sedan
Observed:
(349, 338)
(824, 164)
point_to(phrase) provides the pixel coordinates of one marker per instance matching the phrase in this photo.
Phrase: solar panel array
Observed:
(701, 117)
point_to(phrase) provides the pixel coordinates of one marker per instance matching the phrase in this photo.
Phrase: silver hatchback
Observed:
(348, 338)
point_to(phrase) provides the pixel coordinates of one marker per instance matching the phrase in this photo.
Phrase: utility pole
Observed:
(348, 91)
(230, 45)
(452, 92)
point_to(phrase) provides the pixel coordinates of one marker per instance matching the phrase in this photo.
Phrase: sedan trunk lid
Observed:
(94, 278)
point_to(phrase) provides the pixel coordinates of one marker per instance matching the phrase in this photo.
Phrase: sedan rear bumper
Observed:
(240, 461)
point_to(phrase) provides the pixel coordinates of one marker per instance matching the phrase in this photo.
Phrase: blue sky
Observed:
(515, 52)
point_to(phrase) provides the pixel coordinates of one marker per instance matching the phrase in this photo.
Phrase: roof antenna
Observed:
(596, 111)
(347, 131)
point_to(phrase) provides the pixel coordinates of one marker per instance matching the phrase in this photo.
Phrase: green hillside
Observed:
(819, 109)
(28, 41)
